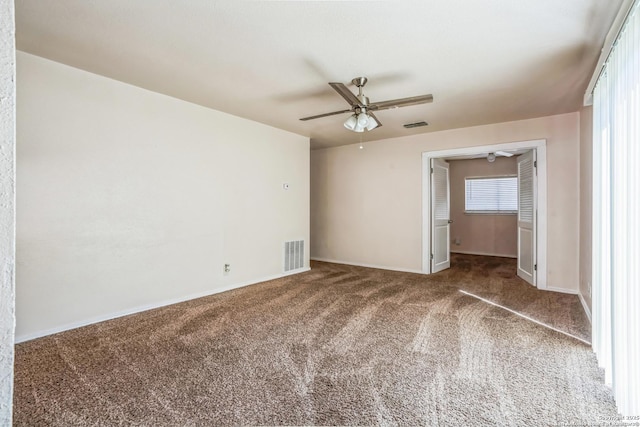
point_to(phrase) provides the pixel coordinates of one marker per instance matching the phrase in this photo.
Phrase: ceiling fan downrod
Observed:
(360, 82)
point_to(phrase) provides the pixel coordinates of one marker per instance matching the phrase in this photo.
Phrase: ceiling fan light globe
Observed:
(358, 128)
(373, 123)
(363, 120)
(351, 122)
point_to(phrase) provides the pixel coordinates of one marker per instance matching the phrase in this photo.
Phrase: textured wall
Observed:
(367, 204)
(479, 233)
(7, 207)
(131, 199)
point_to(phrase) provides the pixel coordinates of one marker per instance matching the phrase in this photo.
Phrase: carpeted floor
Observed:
(338, 345)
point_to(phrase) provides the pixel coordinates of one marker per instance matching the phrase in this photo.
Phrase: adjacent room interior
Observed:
(483, 225)
(319, 213)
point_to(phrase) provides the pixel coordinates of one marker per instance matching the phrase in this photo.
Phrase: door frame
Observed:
(540, 145)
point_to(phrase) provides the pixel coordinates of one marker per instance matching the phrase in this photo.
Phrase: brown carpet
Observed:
(338, 345)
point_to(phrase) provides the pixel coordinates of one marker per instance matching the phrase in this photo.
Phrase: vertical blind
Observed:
(491, 194)
(616, 218)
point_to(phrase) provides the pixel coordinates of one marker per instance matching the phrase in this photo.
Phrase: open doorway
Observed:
(452, 223)
(484, 205)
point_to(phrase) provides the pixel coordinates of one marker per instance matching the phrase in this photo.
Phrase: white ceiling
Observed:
(484, 61)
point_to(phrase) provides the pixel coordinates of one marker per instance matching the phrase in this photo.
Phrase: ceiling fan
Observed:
(491, 157)
(363, 117)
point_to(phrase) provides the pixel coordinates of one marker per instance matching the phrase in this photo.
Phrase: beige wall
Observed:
(479, 233)
(586, 196)
(367, 204)
(7, 207)
(129, 199)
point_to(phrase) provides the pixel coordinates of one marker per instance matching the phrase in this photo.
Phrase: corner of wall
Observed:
(7, 201)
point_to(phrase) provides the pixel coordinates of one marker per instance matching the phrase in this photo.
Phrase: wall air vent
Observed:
(293, 255)
(415, 125)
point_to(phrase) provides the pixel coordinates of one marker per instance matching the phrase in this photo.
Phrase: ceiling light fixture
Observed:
(373, 123)
(360, 121)
(363, 119)
(351, 122)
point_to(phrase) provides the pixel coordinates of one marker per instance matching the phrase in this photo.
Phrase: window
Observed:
(616, 218)
(498, 195)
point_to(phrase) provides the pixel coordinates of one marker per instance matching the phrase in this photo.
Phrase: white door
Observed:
(440, 216)
(527, 217)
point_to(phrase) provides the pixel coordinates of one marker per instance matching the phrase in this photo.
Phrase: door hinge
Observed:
(431, 170)
(535, 267)
(535, 164)
(431, 256)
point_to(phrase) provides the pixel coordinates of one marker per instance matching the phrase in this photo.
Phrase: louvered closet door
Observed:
(527, 217)
(440, 216)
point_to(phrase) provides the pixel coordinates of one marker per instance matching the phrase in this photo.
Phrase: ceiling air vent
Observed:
(415, 125)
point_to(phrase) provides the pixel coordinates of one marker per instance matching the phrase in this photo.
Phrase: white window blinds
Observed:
(616, 218)
(491, 195)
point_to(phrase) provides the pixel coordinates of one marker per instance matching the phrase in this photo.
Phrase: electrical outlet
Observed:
(227, 269)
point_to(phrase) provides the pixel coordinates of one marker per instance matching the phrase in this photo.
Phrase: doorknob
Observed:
(450, 221)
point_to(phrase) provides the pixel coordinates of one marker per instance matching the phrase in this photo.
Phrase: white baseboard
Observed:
(356, 264)
(483, 254)
(139, 309)
(561, 290)
(587, 311)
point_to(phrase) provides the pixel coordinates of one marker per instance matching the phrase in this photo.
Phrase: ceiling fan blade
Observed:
(402, 102)
(503, 153)
(375, 118)
(325, 115)
(346, 94)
